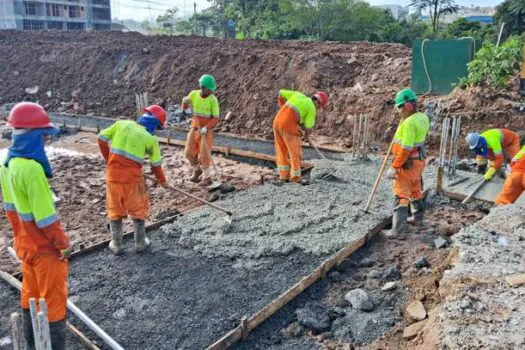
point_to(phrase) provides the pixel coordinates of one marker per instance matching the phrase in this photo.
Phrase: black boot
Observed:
(28, 329)
(142, 242)
(417, 208)
(57, 331)
(399, 223)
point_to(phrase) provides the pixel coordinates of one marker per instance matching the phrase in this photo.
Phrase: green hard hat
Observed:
(208, 81)
(403, 96)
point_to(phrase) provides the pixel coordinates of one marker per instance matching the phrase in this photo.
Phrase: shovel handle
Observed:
(192, 196)
(474, 191)
(317, 150)
(378, 179)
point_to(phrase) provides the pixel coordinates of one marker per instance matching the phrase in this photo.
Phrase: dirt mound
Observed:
(100, 73)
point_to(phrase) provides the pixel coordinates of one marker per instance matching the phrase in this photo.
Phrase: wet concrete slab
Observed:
(488, 192)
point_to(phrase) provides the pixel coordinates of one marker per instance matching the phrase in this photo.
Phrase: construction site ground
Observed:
(202, 274)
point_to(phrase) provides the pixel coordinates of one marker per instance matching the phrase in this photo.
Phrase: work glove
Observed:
(489, 174)
(482, 168)
(65, 253)
(391, 173)
(187, 111)
(203, 130)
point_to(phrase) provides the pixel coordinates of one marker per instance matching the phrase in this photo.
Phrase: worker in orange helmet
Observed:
(39, 240)
(204, 107)
(297, 112)
(408, 165)
(124, 146)
(515, 182)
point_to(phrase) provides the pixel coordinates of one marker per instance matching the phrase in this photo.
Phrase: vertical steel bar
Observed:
(44, 324)
(35, 323)
(359, 134)
(452, 138)
(16, 329)
(354, 137)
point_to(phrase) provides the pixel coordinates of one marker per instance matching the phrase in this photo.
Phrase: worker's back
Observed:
(130, 144)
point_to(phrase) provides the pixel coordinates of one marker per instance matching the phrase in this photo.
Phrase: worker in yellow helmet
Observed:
(409, 163)
(204, 107)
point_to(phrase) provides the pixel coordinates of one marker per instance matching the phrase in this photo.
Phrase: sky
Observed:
(142, 9)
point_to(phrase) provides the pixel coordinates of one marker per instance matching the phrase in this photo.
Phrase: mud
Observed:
(270, 220)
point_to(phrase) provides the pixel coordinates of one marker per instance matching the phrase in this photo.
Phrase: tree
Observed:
(166, 22)
(184, 27)
(512, 13)
(436, 9)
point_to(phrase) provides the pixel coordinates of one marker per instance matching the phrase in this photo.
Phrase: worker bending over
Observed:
(490, 145)
(39, 239)
(124, 145)
(297, 112)
(409, 163)
(205, 116)
(514, 183)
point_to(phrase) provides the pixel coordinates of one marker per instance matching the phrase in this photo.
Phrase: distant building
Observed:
(398, 12)
(480, 19)
(55, 14)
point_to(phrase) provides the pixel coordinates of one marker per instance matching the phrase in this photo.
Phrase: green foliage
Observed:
(184, 27)
(462, 28)
(512, 13)
(493, 66)
(436, 9)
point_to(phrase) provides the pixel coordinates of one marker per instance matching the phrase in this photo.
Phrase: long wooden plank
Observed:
(320, 272)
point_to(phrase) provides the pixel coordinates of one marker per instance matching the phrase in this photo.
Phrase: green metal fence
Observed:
(437, 64)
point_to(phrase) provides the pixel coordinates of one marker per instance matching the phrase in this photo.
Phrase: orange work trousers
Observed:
(288, 153)
(127, 199)
(45, 276)
(408, 182)
(195, 153)
(512, 146)
(512, 188)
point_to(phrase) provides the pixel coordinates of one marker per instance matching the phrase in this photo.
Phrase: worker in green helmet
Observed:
(204, 108)
(409, 163)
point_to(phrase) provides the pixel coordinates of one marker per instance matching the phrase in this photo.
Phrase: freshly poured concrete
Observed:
(319, 218)
(488, 192)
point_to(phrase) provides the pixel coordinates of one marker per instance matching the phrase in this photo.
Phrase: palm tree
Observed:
(436, 9)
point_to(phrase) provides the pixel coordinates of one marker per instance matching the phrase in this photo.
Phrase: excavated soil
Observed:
(79, 181)
(100, 72)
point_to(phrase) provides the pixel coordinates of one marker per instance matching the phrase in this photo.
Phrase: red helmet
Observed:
(29, 115)
(322, 97)
(158, 112)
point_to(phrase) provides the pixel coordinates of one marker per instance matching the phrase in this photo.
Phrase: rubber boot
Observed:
(28, 329)
(417, 208)
(141, 241)
(399, 223)
(206, 177)
(57, 332)
(197, 172)
(279, 182)
(116, 236)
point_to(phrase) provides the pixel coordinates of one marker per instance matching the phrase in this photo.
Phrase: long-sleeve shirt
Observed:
(30, 208)
(125, 146)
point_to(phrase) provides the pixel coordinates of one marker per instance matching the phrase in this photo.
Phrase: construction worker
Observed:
(126, 192)
(297, 112)
(39, 240)
(515, 182)
(490, 145)
(205, 116)
(409, 163)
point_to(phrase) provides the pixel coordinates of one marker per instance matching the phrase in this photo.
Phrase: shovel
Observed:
(228, 218)
(330, 171)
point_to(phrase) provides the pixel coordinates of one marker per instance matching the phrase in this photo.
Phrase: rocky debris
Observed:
(314, 317)
(389, 286)
(366, 262)
(334, 276)
(392, 274)
(422, 262)
(373, 274)
(440, 243)
(413, 330)
(359, 299)
(416, 311)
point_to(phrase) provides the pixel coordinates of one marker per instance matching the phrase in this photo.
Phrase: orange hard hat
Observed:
(158, 112)
(29, 115)
(322, 97)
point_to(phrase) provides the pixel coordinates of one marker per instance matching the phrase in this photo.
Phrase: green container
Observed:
(446, 62)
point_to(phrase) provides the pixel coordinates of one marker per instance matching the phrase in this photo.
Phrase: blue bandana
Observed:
(30, 145)
(482, 149)
(149, 122)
